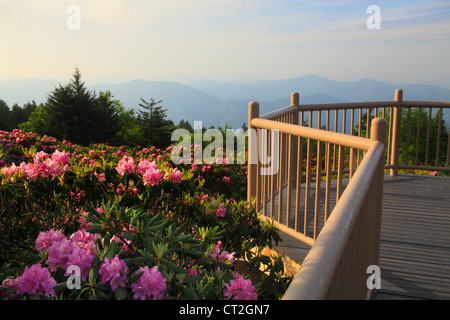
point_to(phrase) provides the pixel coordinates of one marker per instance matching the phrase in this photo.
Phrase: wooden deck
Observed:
(415, 239)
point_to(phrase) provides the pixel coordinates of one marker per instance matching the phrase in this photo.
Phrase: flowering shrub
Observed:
(127, 223)
(240, 289)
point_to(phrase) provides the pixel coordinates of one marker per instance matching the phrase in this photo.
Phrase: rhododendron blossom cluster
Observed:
(34, 279)
(62, 252)
(240, 289)
(222, 255)
(151, 284)
(114, 271)
(42, 166)
(151, 175)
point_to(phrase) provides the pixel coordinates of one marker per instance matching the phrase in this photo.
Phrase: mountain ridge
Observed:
(220, 102)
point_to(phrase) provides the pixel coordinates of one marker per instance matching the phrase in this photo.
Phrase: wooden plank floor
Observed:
(415, 239)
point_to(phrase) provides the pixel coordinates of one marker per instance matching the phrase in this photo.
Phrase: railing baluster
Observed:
(307, 187)
(281, 178)
(438, 140)
(318, 180)
(340, 173)
(328, 182)
(335, 130)
(427, 148)
(299, 183)
(408, 136)
(418, 135)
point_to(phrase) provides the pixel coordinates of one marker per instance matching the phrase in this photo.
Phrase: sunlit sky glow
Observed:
(172, 40)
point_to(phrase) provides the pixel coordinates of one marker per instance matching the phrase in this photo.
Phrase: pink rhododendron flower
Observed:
(101, 177)
(151, 284)
(84, 240)
(176, 175)
(62, 252)
(60, 157)
(126, 164)
(35, 279)
(192, 272)
(114, 271)
(240, 289)
(221, 210)
(40, 155)
(222, 255)
(81, 258)
(226, 179)
(47, 238)
(152, 176)
(59, 254)
(84, 223)
(145, 165)
(42, 169)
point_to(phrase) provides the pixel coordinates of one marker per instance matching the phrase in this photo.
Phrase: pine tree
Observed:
(5, 116)
(155, 126)
(107, 122)
(70, 112)
(74, 113)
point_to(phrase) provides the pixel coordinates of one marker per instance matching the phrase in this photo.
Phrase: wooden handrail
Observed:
(313, 133)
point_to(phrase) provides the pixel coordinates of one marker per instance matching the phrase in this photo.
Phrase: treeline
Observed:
(74, 113)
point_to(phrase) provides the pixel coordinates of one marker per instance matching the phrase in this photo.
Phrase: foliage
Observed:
(155, 126)
(191, 222)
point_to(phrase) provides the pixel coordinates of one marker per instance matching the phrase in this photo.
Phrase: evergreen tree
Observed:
(185, 125)
(70, 112)
(21, 114)
(155, 126)
(107, 122)
(74, 113)
(36, 122)
(5, 116)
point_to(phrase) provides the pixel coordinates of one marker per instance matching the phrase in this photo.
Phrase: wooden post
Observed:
(397, 121)
(253, 112)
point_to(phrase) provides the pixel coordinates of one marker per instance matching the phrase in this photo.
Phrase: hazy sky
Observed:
(120, 40)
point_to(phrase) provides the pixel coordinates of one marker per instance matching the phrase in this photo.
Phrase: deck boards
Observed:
(415, 239)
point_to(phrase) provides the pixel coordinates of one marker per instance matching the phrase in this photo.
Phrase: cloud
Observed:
(224, 38)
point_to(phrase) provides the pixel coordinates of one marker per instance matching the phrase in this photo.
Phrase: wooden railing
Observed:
(323, 185)
(416, 139)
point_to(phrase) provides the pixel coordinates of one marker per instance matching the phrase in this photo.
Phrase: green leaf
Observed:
(60, 287)
(111, 250)
(128, 235)
(189, 293)
(172, 266)
(179, 230)
(135, 277)
(194, 253)
(121, 293)
(101, 286)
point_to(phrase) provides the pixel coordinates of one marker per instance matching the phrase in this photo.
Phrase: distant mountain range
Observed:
(218, 103)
